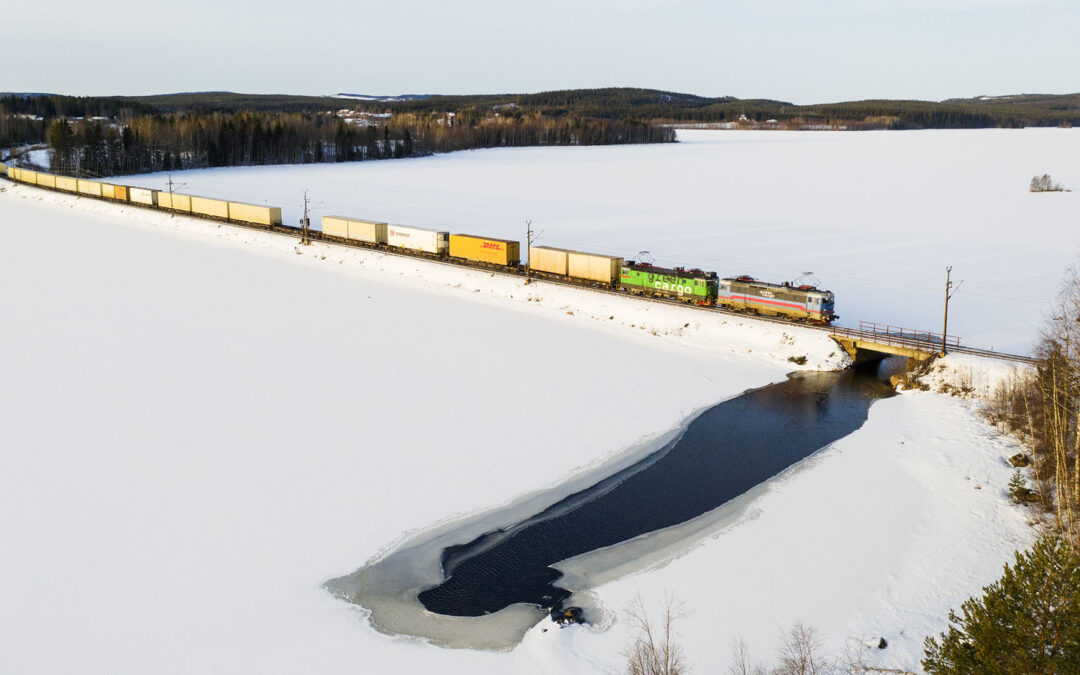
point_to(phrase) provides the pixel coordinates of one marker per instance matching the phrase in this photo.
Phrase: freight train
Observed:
(796, 302)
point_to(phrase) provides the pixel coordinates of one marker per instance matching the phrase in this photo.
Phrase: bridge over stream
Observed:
(873, 341)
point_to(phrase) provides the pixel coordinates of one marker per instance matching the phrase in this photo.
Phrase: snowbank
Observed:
(877, 216)
(203, 424)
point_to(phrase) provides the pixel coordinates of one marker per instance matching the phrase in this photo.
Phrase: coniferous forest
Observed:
(120, 135)
(197, 140)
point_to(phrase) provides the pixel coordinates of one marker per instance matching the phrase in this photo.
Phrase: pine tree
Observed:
(1018, 489)
(1028, 621)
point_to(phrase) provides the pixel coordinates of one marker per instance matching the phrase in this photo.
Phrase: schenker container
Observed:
(548, 259)
(504, 252)
(602, 269)
(367, 231)
(418, 239)
(255, 213)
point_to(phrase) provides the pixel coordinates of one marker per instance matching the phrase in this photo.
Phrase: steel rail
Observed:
(298, 232)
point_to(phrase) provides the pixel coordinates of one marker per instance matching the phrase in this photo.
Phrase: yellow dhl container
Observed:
(46, 180)
(215, 208)
(485, 249)
(89, 187)
(120, 192)
(253, 213)
(67, 184)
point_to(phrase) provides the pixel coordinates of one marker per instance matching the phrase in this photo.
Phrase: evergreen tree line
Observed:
(672, 107)
(50, 106)
(16, 129)
(197, 140)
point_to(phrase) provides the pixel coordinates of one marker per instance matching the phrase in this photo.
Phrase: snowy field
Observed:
(877, 216)
(203, 424)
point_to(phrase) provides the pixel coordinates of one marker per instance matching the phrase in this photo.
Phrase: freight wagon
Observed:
(593, 269)
(545, 261)
(174, 201)
(421, 240)
(210, 208)
(802, 303)
(255, 214)
(693, 286)
(789, 300)
(485, 250)
(350, 229)
(88, 187)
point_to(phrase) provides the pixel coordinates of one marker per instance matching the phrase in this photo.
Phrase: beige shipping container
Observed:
(46, 180)
(368, 231)
(108, 190)
(334, 226)
(142, 196)
(68, 184)
(174, 201)
(548, 259)
(589, 266)
(215, 208)
(253, 213)
(89, 187)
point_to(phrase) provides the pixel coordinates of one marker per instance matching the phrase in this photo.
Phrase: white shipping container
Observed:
(418, 239)
(142, 196)
(547, 259)
(600, 268)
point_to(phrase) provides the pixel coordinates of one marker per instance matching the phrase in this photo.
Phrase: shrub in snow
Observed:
(1045, 183)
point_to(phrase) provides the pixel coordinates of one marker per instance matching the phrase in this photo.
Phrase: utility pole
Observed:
(171, 184)
(528, 251)
(950, 290)
(306, 222)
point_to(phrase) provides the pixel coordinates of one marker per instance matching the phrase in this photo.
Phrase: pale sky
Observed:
(805, 51)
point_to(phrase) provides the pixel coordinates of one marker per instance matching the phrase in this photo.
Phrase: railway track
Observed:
(316, 235)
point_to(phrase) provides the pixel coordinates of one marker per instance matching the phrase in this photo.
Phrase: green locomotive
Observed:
(694, 286)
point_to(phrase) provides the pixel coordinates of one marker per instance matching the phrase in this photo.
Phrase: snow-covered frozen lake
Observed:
(876, 216)
(199, 425)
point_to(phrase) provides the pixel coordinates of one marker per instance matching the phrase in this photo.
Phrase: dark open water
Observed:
(724, 452)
